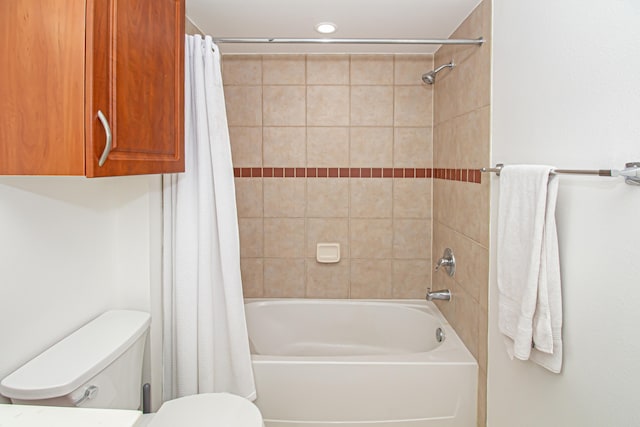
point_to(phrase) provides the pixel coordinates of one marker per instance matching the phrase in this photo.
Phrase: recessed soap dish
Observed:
(328, 253)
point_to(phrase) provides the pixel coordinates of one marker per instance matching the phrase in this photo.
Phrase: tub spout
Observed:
(442, 295)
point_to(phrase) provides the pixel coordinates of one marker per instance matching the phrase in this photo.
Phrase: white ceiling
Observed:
(406, 19)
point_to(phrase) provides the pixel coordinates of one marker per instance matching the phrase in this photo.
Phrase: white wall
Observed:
(71, 248)
(566, 92)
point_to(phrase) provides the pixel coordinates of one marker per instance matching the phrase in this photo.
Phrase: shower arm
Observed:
(440, 68)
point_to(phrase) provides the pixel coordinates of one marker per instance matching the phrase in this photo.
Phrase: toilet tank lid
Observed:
(77, 358)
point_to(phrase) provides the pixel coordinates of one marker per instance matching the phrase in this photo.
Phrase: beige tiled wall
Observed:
(460, 209)
(332, 111)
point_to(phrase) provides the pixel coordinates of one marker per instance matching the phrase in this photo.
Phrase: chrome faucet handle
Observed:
(448, 261)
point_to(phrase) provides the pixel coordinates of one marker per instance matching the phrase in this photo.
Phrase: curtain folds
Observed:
(206, 347)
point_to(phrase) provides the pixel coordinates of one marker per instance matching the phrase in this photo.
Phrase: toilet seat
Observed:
(206, 410)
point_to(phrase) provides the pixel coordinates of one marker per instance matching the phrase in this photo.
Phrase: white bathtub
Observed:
(331, 363)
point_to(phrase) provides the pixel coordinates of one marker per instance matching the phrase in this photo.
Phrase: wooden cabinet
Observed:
(65, 61)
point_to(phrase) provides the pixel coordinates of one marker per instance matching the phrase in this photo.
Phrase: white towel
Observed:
(530, 299)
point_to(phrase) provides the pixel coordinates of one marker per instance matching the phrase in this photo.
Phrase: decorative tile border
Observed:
(463, 175)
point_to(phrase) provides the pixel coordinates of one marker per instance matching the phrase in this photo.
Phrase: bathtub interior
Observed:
(339, 328)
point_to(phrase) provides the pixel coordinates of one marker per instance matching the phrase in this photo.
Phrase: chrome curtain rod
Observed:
(631, 172)
(274, 40)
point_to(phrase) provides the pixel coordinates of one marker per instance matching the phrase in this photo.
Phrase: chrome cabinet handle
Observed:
(107, 131)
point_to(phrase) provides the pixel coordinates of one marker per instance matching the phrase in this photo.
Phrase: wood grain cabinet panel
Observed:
(69, 59)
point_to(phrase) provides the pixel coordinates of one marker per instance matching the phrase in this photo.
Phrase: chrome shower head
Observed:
(430, 77)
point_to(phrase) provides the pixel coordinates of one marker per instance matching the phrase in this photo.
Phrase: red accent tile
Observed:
(477, 176)
(463, 175)
(376, 172)
(430, 173)
(267, 172)
(333, 172)
(458, 175)
(365, 172)
(236, 172)
(421, 173)
(300, 172)
(256, 172)
(278, 172)
(246, 172)
(344, 172)
(322, 172)
(398, 172)
(409, 172)
(355, 172)
(387, 172)
(289, 172)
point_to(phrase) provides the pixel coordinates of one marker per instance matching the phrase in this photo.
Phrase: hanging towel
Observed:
(530, 299)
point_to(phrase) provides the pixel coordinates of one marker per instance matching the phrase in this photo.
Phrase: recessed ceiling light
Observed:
(326, 27)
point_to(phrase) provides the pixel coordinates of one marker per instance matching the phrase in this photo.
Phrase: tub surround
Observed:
(322, 149)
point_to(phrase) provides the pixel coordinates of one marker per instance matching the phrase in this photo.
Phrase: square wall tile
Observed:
(283, 70)
(371, 198)
(284, 105)
(246, 145)
(411, 239)
(284, 278)
(241, 70)
(445, 136)
(251, 237)
(371, 278)
(371, 238)
(252, 277)
(410, 68)
(327, 105)
(327, 198)
(413, 106)
(371, 147)
(466, 320)
(327, 230)
(411, 278)
(244, 105)
(284, 197)
(372, 105)
(328, 69)
(328, 280)
(372, 69)
(327, 146)
(413, 147)
(249, 197)
(412, 198)
(284, 146)
(472, 142)
(284, 237)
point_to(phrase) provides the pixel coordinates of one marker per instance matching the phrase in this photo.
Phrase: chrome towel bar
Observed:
(631, 172)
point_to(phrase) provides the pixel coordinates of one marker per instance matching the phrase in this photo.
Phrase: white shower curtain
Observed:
(206, 348)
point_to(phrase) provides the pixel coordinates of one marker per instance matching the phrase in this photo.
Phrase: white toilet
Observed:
(100, 366)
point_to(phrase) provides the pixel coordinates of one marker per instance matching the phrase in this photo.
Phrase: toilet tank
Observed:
(97, 366)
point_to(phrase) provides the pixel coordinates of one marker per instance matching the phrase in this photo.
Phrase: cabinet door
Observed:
(42, 87)
(135, 77)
